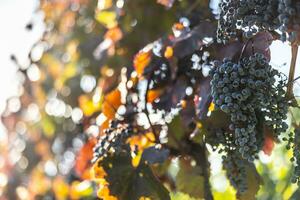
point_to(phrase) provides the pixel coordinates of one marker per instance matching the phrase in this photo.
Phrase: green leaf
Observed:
(217, 119)
(189, 179)
(176, 129)
(127, 182)
(181, 196)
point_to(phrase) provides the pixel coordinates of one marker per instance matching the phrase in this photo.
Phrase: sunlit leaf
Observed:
(181, 196)
(140, 143)
(111, 103)
(107, 18)
(168, 52)
(141, 60)
(115, 34)
(81, 189)
(127, 182)
(190, 180)
(87, 105)
(61, 188)
(153, 94)
(84, 157)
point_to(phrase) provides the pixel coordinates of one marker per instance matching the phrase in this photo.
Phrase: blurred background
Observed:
(52, 54)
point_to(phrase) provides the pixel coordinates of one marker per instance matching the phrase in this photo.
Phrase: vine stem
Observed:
(244, 48)
(146, 110)
(289, 93)
(198, 151)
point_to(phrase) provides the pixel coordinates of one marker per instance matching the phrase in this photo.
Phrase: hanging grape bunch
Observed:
(293, 143)
(245, 90)
(113, 140)
(235, 171)
(250, 16)
(288, 18)
(254, 16)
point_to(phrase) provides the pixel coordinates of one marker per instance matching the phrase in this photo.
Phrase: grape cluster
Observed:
(294, 143)
(113, 140)
(246, 91)
(251, 16)
(235, 168)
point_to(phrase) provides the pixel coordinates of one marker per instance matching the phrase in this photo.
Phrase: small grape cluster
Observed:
(219, 139)
(276, 109)
(113, 140)
(294, 143)
(289, 19)
(245, 90)
(251, 16)
(235, 168)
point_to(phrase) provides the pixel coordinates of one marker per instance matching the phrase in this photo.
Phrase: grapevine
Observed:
(139, 100)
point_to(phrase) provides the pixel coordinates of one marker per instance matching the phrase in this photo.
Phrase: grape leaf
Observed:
(203, 93)
(260, 43)
(154, 155)
(127, 182)
(181, 196)
(172, 95)
(189, 179)
(175, 128)
(193, 40)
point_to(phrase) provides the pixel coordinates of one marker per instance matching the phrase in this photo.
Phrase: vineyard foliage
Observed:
(141, 100)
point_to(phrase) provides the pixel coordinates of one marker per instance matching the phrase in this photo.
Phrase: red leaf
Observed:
(84, 156)
(268, 145)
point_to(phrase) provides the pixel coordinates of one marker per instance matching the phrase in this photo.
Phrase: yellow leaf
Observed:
(211, 107)
(60, 188)
(81, 189)
(107, 18)
(87, 105)
(54, 66)
(47, 126)
(136, 159)
(168, 52)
